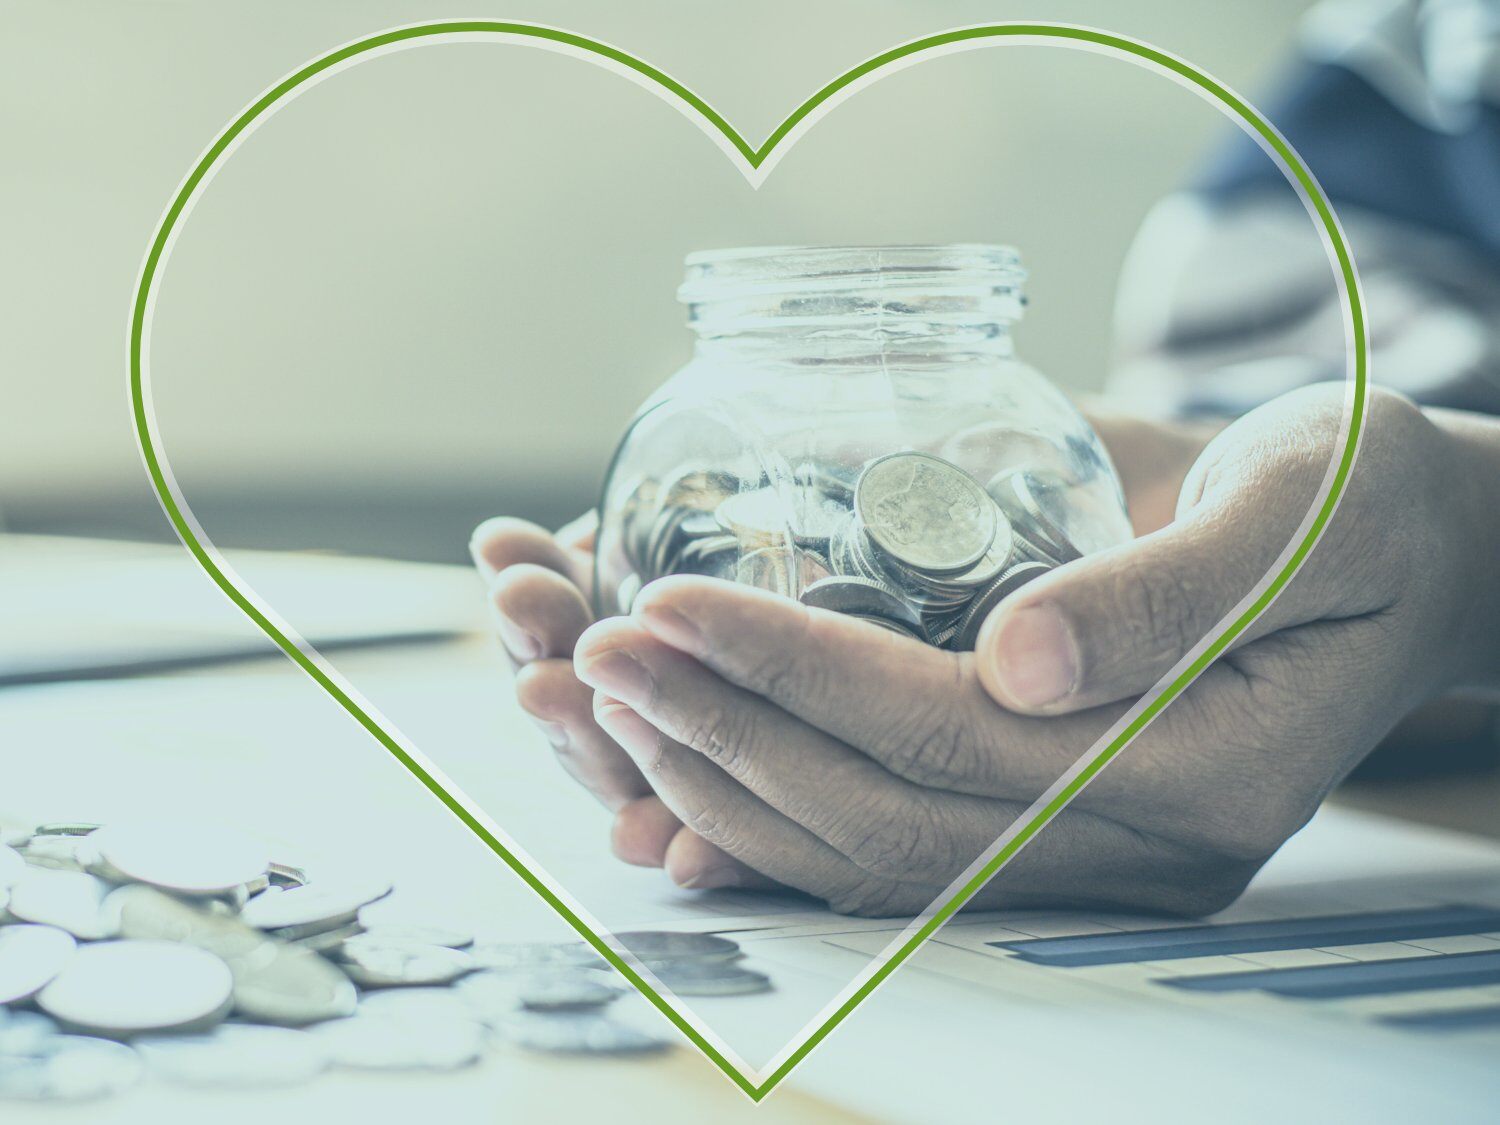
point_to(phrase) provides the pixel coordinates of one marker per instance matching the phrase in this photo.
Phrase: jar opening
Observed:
(967, 290)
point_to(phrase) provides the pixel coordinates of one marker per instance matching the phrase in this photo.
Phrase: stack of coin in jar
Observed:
(190, 952)
(910, 542)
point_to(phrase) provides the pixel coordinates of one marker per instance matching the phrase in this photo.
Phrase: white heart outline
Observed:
(755, 165)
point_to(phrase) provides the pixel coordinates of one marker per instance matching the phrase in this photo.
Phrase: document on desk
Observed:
(78, 608)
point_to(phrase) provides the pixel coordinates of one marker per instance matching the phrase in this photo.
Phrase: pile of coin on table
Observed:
(190, 952)
(911, 542)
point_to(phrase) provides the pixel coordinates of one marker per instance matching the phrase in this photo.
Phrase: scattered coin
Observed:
(579, 990)
(116, 988)
(432, 1003)
(30, 956)
(662, 946)
(69, 900)
(413, 933)
(236, 1055)
(12, 866)
(522, 956)
(378, 1042)
(69, 1068)
(696, 978)
(325, 902)
(581, 1033)
(21, 1031)
(188, 859)
(393, 966)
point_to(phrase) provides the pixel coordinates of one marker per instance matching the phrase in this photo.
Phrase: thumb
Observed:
(1108, 626)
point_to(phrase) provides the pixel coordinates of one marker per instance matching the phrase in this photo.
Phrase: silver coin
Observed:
(577, 1033)
(236, 1055)
(629, 589)
(326, 902)
(119, 988)
(58, 853)
(377, 1042)
(1034, 496)
(21, 1032)
(983, 605)
(891, 626)
(769, 568)
(30, 956)
(69, 1068)
(69, 900)
(925, 512)
(285, 875)
(697, 978)
(12, 866)
(522, 956)
(421, 1003)
(274, 982)
(579, 990)
(65, 828)
(199, 859)
(294, 988)
(493, 994)
(326, 941)
(395, 966)
(659, 946)
(861, 597)
(413, 933)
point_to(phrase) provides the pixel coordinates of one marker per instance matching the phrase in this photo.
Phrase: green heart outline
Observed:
(756, 157)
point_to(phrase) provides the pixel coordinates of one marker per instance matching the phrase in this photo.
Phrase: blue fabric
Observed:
(1366, 152)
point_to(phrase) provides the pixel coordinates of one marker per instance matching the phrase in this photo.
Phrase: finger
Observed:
(539, 613)
(887, 826)
(918, 711)
(504, 541)
(578, 534)
(549, 691)
(721, 811)
(694, 863)
(642, 831)
(1109, 626)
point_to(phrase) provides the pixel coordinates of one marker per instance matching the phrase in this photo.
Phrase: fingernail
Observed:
(671, 626)
(636, 736)
(619, 674)
(480, 561)
(517, 641)
(713, 878)
(1034, 656)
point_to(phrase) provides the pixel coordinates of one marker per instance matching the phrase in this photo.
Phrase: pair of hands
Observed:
(743, 739)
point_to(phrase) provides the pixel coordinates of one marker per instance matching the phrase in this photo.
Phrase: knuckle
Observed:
(908, 846)
(722, 735)
(1156, 603)
(875, 898)
(939, 746)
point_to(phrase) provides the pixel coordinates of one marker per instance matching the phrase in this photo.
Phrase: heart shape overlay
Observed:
(756, 162)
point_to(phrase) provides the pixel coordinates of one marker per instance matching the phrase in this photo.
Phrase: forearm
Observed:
(1475, 440)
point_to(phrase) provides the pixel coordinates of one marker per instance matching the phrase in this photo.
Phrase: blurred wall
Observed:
(437, 284)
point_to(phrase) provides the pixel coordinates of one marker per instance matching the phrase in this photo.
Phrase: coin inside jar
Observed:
(925, 512)
(1006, 585)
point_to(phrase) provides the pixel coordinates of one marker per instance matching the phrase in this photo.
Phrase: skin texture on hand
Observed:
(744, 739)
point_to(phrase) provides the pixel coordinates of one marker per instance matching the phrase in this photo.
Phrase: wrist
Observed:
(1474, 528)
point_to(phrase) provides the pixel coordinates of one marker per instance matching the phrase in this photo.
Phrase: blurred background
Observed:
(435, 287)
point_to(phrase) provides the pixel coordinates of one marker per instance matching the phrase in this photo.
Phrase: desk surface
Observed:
(258, 744)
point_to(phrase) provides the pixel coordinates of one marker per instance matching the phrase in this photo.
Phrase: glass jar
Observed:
(855, 430)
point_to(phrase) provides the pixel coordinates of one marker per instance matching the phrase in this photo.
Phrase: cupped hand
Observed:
(539, 590)
(870, 771)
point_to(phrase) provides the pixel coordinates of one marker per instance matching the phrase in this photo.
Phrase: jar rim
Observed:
(716, 274)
